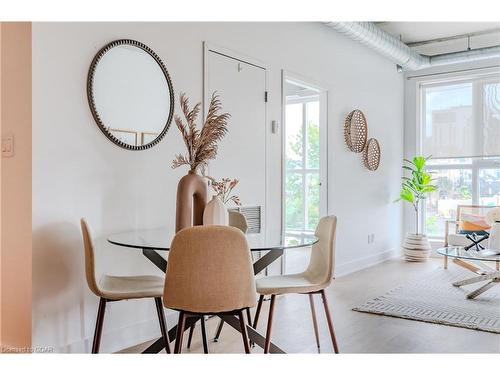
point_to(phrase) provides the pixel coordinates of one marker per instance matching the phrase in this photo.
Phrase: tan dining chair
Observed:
(313, 280)
(117, 288)
(209, 272)
(238, 220)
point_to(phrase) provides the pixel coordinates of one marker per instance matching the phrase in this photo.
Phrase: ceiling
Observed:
(483, 34)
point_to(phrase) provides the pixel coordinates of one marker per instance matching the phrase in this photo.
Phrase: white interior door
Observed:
(242, 153)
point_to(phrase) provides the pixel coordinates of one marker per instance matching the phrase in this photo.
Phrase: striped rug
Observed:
(432, 298)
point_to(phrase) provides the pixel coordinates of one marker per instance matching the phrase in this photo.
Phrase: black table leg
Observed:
(266, 260)
(253, 335)
(156, 259)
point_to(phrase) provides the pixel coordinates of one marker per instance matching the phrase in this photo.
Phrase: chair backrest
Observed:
(322, 262)
(88, 246)
(209, 270)
(238, 220)
(472, 219)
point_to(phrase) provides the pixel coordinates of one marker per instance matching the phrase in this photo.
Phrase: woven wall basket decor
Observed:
(355, 131)
(371, 154)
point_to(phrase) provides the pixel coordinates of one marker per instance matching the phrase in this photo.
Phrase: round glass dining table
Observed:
(153, 241)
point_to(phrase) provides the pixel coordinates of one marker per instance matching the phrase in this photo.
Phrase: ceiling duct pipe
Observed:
(377, 39)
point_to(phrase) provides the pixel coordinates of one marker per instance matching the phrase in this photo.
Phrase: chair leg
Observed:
(249, 316)
(267, 344)
(330, 323)
(219, 330)
(256, 318)
(244, 333)
(163, 324)
(204, 335)
(98, 326)
(190, 337)
(180, 332)
(315, 322)
(257, 312)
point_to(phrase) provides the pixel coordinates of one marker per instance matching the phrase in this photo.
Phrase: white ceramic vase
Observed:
(215, 212)
(416, 247)
(494, 243)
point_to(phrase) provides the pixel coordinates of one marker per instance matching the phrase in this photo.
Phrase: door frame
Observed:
(300, 79)
(223, 51)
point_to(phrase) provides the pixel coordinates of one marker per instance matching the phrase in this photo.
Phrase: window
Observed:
(460, 128)
(304, 164)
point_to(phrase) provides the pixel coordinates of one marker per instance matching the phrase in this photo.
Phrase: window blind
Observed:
(461, 118)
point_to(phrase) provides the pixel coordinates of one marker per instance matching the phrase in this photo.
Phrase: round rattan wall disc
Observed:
(371, 154)
(355, 131)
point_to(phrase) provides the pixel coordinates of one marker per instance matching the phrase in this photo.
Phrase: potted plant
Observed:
(414, 189)
(201, 147)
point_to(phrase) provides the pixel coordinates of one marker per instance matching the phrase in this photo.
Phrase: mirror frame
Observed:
(91, 100)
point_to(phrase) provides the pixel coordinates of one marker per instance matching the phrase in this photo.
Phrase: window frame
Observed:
(477, 163)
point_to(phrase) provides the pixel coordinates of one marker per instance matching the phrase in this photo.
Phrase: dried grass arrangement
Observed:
(201, 144)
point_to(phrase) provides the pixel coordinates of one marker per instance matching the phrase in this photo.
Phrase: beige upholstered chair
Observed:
(209, 272)
(470, 219)
(313, 280)
(238, 220)
(117, 288)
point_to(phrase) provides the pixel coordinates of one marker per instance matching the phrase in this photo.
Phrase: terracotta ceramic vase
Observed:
(215, 212)
(192, 196)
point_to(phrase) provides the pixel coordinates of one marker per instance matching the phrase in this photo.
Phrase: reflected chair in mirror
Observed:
(471, 219)
(209, 272)
(314, 280)
(118, 288)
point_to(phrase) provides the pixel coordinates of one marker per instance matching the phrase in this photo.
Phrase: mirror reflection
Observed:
(131, 95)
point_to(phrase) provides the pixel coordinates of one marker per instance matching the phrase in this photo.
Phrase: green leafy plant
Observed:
(415, 188)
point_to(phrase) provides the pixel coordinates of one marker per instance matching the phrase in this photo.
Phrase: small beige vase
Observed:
(215, 212)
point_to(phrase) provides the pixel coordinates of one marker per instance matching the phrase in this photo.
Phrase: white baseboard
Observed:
(362, 263)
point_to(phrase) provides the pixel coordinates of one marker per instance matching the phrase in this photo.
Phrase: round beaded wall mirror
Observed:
(371, 154)
(355, 131)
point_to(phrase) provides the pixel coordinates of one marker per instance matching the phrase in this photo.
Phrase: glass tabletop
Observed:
(160, 239)
(487, 255)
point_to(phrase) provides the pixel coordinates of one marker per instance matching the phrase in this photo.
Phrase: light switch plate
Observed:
(8, 146)
(275, 127)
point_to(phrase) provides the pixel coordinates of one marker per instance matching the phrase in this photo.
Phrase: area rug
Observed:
(432, 298)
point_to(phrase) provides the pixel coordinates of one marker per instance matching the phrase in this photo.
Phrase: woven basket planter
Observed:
(416, 247)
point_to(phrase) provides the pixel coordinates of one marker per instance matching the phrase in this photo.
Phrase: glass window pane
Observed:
(294, 201)
(313, 190)
(447, 123)
(491, 118)
(312, 124)
(294, 136)
(489, 187)
(454, 188)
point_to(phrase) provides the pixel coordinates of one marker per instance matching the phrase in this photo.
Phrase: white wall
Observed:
(78, 172)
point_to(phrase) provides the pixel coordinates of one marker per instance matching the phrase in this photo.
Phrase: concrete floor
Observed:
(356, 332)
